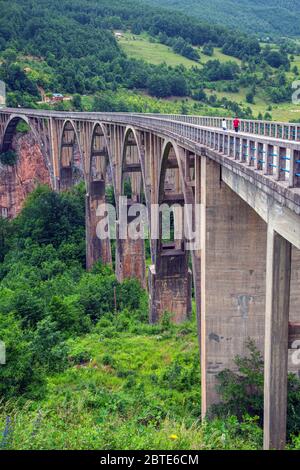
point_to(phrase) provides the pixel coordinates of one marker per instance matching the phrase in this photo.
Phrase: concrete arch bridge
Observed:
(245, 188)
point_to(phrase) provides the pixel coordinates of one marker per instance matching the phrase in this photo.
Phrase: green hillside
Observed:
(182, 64)
(271, 17)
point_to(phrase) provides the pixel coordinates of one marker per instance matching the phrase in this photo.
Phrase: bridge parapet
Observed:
(276, 129)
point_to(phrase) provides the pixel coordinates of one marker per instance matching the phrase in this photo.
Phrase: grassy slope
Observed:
(141, 102)
(142, 48)
(139, 47)
(137, 388)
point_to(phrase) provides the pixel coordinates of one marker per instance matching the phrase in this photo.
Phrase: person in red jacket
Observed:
(236, 124)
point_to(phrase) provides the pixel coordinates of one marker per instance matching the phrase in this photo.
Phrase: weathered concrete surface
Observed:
(232, 278)
(130, 260)
(274, 212)
(18, 181)
(170, 288)
(279, 260)
(96, 248)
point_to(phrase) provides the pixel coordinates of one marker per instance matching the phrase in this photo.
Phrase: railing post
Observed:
(294, 180)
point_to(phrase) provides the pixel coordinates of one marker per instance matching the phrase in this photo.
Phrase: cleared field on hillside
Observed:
(140, 47)
(218, 54)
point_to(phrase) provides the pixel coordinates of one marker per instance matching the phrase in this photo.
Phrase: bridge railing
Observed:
(275, 157)
(266, 147)
(280, 130)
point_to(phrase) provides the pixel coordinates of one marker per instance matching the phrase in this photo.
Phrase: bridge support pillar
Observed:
(96, 248)
(65, 178)
(130, 260)
(276, 340)
(232, 278)
(170, 288)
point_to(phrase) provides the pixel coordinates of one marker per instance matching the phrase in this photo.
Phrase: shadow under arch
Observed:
(100, 172)
(33, 166)
(11, 129)
(71, 163)
(170, 276)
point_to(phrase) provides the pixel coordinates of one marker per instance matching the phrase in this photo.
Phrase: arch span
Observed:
(170, 278)
(40, 133)
(98, 178)
(131, 253)
(33, 165)
(71, 164)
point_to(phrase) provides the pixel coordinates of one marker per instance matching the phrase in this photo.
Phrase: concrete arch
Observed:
(100, 125)
(168, 146)
(138, 166)
(33, 164)
(96, 181)
(170, 277)
(176, 164)
(9, 132)
(68, 141)
(130, 254)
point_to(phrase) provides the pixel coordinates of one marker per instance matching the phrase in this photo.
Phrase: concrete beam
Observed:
(283, 220)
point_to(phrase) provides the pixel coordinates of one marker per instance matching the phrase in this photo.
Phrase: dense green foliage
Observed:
(243, 391)
(128, 385)
(45, 294)
(84, 368)
(60, 42)
(8, 158)
(271, 17)
(48, 47)
(51, 47)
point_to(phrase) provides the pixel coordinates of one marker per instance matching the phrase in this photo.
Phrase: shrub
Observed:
(108, 360)
(69, 315)
(8, 158)
(130, 295)
(18, 376)
(242, 392)
(96, 294)
(50, 353)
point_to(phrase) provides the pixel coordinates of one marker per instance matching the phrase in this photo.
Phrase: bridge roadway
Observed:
(245, 188)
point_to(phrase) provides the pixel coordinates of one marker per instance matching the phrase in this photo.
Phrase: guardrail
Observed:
(266, 147)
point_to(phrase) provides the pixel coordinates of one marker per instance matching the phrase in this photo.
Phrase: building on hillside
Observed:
(56, 97)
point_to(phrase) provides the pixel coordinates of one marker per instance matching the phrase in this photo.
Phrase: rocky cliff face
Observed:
(18, 181)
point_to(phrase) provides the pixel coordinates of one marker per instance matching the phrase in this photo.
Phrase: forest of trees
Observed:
(268, 18)
(80, 55)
